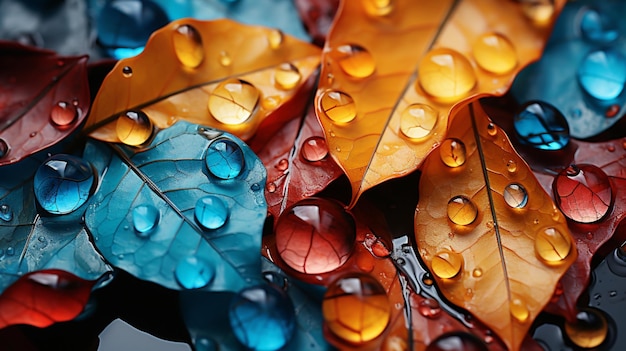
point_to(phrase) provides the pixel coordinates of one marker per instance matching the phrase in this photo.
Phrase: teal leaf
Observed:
(155, 213)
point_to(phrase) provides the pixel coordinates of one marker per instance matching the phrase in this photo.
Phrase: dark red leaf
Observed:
(317, 16)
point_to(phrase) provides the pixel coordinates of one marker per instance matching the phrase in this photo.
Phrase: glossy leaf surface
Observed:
(178, 77)
(43, 99)
(164, 214)
(493, 239)
(384, 107)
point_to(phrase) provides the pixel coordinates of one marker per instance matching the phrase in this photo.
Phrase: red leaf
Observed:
(317, 16)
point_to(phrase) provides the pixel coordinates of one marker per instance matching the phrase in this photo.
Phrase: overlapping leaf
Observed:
(169, 89)
(170, 176)
(43, 99)
(317, 16)
(499, 243)
(375, 54)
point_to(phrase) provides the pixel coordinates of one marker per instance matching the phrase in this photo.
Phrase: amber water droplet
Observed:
(452, 152)
(589, 330)
(282, 164)
(447, 264)
(417, 121)
(275, 38)
(457, 341)
(188, 45)
(133, 128)
(429, 308)
(233, 101)
(355, 60)
(583, 193)
(270, 102)
(515, 195)
(127, 72)
(4, 148)
(356, 308)
(378, 7)
(552, 246)
(63, 114)
(511, 166)
(539, 12)
(287, 76)
(225, 59)
(462, 211)
(338, 106)
(477, 273)
(314, 149)
(491, 129)
(612, 111)
(519, 310)
(495, 53)
(446, 74)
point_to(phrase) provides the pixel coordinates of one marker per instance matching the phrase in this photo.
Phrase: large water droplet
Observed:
(378, 7)
(315, 236)
(63, 114)
(225, 159)
(188, 45)
(589, 330)
(262, 317)
(356, 292)
(602, 74)
(145, 219)
(542, 126)
(583, 193)
(417, 121)
(6, 214)
(233, 101)
(133, 128)
(462, 210)
(457, 341)
(597, 27)
(314, 149)
(4, 148)
(447, 264)
(355, 60)
(446, 74)
(194, 273)
(495, 53)
(552, 246)
(211, 212)
(287, 76)
(429, 308)
(515, 195)
(63, 183)
(519, 310)
(338, 106)
(452, 152)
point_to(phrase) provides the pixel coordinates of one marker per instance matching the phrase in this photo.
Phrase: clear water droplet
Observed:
(589, 330)
(446, 74)
(519, 310)
(4, 148)
(338, 106)
(225, 59)
(553, 246)
(495, 53)
(314, 149)
(127, 71)
(418, 121)
(211, 212)
(233, 101)
(10, 251)
(287, 76)
(63, 114)
(275, 38)
(447, 264)
(511, 166)
(225, 159)
(194, 273)
(452, 152)
(134, 128)
(491, 129)
(188, 45)
(515, 195)
(6, 214)
(597, 27)
(145, 219)
(602, 74)
(461, 210)
(355, 60)
(541, 126)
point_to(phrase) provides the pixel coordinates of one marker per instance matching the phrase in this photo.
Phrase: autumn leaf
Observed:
(216, 73)
(393, 72)
(43, 99)
(496, 243)
(317, 16)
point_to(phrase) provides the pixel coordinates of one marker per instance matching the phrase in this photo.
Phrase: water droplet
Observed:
(612, 293)
(447, 264)
(452, 152)
(211, 212)
(457, 341)
(446, 74)
(417, 121)
(225, 59)
(233, 101)
(193, 273)
(552, 246)
(6, 214)
(583, 193)
(491, 129)
(612, 111)
(262, 317)
(4, 148)
(32, 134)
(462, 211)
(427, 280)
(225, 159)
(271, 187)
(63, 114)
(429, 308)
(519, 310)
(495, 53)
(515, 195)
(10, 251)
(378, 7)
(188, 45)
(314, 149)
(597, 27)
(597, 296)
(511, 166)
(275, 38)
(542, 126)
(205, 344)
(589, 235)
(255, 187)
(134, 128)
(315, 236)
(477, 273)
(127, 71)
(602, 74)
(270, 102)
(337, 106)
(63, 183)
(287, 76)
(355, 60)
(282, 165)
(539, 12)
(589, 330)
(356, 292)
(145, 219)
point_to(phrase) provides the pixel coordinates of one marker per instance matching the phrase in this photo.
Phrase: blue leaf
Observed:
(150, 215)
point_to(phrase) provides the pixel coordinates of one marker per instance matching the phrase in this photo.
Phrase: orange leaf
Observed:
(393, 72)
(494, 240)
(217, 73)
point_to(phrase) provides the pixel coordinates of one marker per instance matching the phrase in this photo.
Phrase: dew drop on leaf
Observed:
(63, 114)
(602, 74)
(589, 330)
(477, 273)
(583, 193)
(597, 27)
(457, 341)
(275, 38)
(429, 308)
(314, 149)
(515, 195)
(225, 59)
(211, 212)
(262, 317)
(10, 251)
(452, 152)
(356, 308)
(519, 310)
(417, 121)
(233, 101)
(4, 148)
(338, 106)
(511, 166)
(63, 183)
(193, 273)
(127, 71)
(539, 12)
(282, 165)
(224, 159)
(447, 264)
(446, 74)
(542, 126)
(495, 53)
(462, 211)
(145, 219)
(188, 45)
(133, 128)
(491, 129)
(355, 60)
(378, 7)
(315, 236)
(552, 246)
(6, 213)
(287, 76)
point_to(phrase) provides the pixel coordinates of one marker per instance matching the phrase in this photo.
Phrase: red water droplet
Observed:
(612, 111)
(314, 149)
(585, 196)
(611, 148)
(589, 235)
(429, 308)
(271, 187)
(282, 165)
(63, 114)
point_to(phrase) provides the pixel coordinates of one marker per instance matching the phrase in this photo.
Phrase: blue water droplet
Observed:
(194, 273)
(205, 344)
(145, 219)
(262, 317)
(63, 183)
(211, 212)
(10, 251)
(542, 126)
(602, 74)
(255, 187)
(597, 27)
(6, 214)
(225, 159)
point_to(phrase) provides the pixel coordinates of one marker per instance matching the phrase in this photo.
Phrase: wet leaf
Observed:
(317, 16)
(496, 243)
(216, 73)
(43, 99)
(184, 212)
(394, 71)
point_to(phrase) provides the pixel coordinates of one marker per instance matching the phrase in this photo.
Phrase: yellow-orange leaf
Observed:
(394, 70)
(217, 73)
(493, 239)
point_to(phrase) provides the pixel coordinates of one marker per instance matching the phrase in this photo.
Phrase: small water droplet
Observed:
(330, 78)
(338, 106)
(540, 12)
(127, 72)
(378, 7)
(282, 165)
(452, 152)
(63, 114)
(33, 134)
(429, 308)
(275, 38)
(495, 53)
(314, 149)
(491, 129)
(4, 148)
(428, 281)
(515, 195)
(418, 121)
(271, 187)
(233, 101)
(10, 251)
(446, 74)
(225, 59)
(145, 219)
(287, 76)
(477, 273)
(6, 214)
(589, 330)
(270, 102)
(597, 296)
(511, 166)
(134, 127)
(211, 212)
(519, 310)
(225, 159)
(461, 210)
(610, 148)
(355, 60)
(447, 264)
(194, 273)
(612, 293)
(255, 187)
(612, 111)
(589, 235)
(602, 74)
(188, 45)
(542, 126)
(552, 246)
(597, 27)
